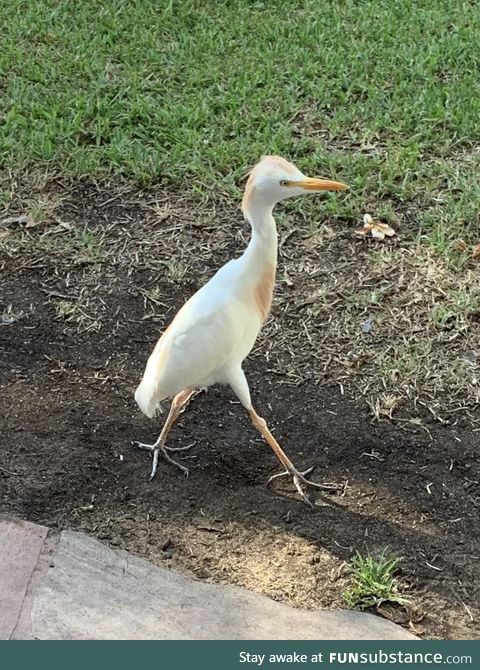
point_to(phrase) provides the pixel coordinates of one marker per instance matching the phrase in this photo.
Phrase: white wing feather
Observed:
(212, 331)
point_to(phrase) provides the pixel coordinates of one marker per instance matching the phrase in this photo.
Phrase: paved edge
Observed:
(23, 629)
(20, 545)
(95, 592)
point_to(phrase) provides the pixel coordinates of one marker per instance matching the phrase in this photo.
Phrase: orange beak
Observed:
(316, 184)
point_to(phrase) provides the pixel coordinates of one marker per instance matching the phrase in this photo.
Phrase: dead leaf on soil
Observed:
(374, 228)
(393, 612)
(460, 246)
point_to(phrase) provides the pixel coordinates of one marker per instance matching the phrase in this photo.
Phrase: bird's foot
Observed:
(301, 482)
(156, 450)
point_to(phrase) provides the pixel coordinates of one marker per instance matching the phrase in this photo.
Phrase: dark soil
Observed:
(68, 418)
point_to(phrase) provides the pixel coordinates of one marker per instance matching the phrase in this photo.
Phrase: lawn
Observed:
(384, 95)
(126, 131)
(189, 93)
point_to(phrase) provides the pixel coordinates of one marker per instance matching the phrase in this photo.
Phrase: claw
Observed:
(156, 451)
(299, 478)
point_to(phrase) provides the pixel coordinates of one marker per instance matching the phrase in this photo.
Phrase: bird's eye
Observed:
(284, 182)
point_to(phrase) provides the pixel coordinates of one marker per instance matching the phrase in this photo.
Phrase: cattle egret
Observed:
(212, 334)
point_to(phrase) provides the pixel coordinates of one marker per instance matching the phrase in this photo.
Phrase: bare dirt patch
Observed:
(84, 295)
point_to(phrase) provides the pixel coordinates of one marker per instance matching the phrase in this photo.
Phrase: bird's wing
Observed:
(207, 333)
(199, 342)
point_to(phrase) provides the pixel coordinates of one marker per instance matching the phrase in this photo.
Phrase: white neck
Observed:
(262, 248)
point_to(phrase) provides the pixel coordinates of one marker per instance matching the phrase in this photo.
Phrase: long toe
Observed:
(142, 445)
(154, 464)
(327, 486)
(297, 477)
(185, 448)
(301, 491)
(287, 473)
(301, 483)
(168, 458)
(277, 476)
(156, 451)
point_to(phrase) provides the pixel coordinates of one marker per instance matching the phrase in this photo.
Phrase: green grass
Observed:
(374, 581)
(383, 94)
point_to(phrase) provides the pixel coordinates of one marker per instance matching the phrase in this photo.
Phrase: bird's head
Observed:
(274, 179)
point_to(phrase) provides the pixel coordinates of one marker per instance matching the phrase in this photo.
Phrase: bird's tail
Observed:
(149, 392)
(145, 397)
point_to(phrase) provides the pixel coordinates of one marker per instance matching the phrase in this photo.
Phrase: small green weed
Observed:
(374, 581)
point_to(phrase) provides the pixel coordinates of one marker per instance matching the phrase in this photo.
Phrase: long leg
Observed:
(239, 385)
(298, 477)
(179, 404)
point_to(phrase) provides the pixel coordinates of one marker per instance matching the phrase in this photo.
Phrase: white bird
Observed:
(212, 334)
